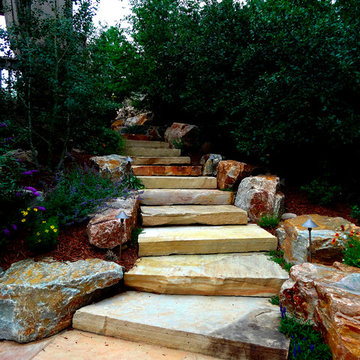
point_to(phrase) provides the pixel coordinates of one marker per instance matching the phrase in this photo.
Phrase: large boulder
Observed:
(210, 163)
(139, 119)
(184, 133)
(260, 195)
(38, 299)
(113, 166)
(330, 298)
(294, 239)
(106, 231)
(231, 172)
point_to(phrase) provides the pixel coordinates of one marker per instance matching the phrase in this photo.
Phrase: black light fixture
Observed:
(122, 217)
(309, 224)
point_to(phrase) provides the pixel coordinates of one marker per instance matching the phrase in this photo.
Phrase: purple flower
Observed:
(36, 193)
(9, 139)
(30, 188)
(312, 347)
(294, 351)
(299, 350)
(7, 232)
(14, 226)
(19, 160)
(18, 194)
(3, 125)
(41, 208)
(30, 172)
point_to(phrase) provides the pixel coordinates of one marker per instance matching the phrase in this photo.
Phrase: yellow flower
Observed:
(52, 227)
(44, 222)
(23, 220)
(35, 209)
(55, 230)
(28, 209)
(25, 213)
(46, 230)
(38, 234)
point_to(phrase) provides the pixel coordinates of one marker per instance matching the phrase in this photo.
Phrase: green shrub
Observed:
(305, 342)
(132, 182)
(322, 192)
(278, 257)
(269, 221)
(355, 212)
(79, 193)
(134, 237)
(275, 300)
(135, 129)
(351, 252)
(43, 235)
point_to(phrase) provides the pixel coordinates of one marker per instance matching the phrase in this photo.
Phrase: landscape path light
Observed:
(309, 224)
(122, 217)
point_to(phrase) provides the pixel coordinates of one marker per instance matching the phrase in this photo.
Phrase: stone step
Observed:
(226, 327)
(147, 144)
(205, 240)
(232, 274)
(167, 160)
(178, 182)
(165, 170)
(157, 152)
(186, 197)
(193, 214)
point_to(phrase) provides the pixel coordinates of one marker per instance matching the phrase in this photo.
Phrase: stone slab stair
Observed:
(219, 255)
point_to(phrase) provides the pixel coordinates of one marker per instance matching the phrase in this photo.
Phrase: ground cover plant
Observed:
(269, 221)
(305, 341)
(351, 240)
(278, 257)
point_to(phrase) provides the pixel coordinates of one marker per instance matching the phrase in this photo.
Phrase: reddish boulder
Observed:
(106, 231)
(231, 172)
(180, 132)
(260, 195)
(330, 298)
(210, 163)
(112, 166)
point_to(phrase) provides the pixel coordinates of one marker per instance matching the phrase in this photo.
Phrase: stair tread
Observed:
(252, 274)
(166, 170)
(146, 151)
(179, 182)
(147, 143)
(160, 160)
(245, 328)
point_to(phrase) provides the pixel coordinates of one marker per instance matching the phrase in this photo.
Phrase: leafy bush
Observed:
(305, 342)
(278, 257)
(355, 212)
(132, 182)
(135, 129)
(322, 192)
(79, 193)
(134, 237)
(269, 221)
(351, 240)
(275, 300)
(43, 235)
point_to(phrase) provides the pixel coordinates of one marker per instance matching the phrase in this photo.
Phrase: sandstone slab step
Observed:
(205, 240)
(178, 182)
(251, 274)
(220, 326)
(162, 160)
(186, 197)
(139, 151)
(147, 144)
(193, 214)
(166, 170)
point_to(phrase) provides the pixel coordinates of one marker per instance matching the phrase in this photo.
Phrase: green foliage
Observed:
(277, 79)
(351, 251)
(132, 182)
(179, 144)
(43, 235)
(278, 257)
(355, 212)
(320, 191)
(305, 342)
(275, 300)
(61, 91)
(269, 221)
(135, 129)
(134, 237)
(79, 193)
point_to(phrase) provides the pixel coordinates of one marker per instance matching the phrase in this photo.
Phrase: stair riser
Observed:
(222, 246)
(172, 182)
(167, 170)
(208, 287)
(137, 151)
(186, 197)
(169, 160)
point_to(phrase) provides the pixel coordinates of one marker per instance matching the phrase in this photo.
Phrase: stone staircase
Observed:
(202, 280)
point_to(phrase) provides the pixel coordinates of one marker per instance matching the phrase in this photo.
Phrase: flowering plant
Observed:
(351, 241)
(44, 235)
